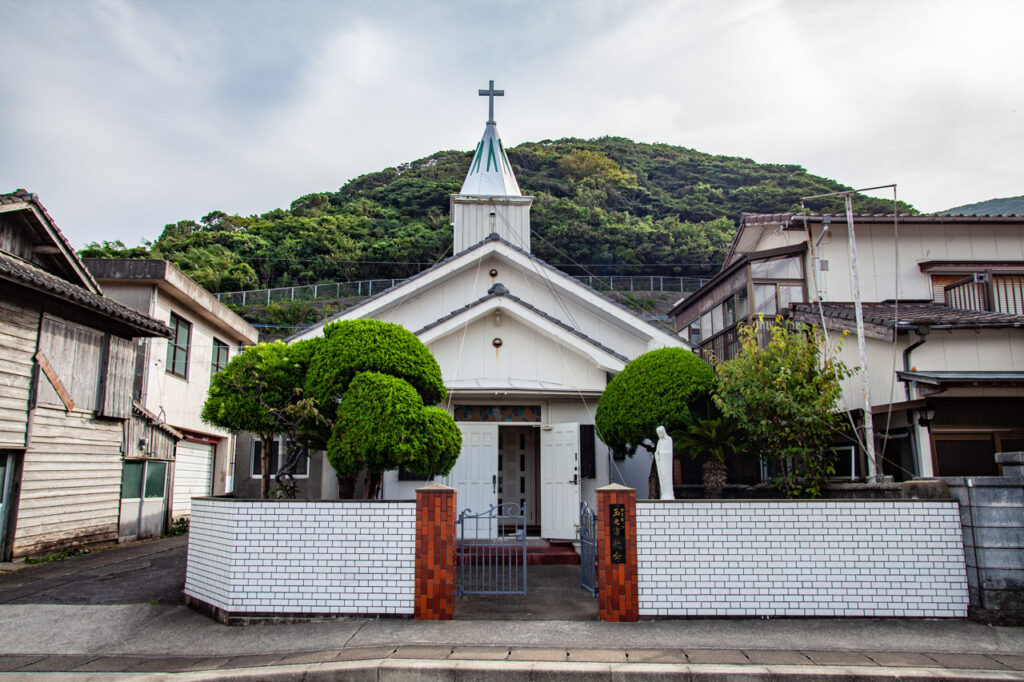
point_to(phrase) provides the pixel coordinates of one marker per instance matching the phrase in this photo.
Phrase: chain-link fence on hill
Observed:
(369, 287)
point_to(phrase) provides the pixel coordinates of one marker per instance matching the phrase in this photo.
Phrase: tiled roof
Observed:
(26, 275)
(499, 290)
(786, 219)
(913, 315)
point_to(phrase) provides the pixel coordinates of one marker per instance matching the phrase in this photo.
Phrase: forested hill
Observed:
(610, 205)
(1004, 206)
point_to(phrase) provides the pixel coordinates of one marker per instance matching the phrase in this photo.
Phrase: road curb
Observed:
(396, 670)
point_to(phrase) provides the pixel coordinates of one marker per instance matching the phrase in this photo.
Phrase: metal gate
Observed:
(492, 550)
(588, 549)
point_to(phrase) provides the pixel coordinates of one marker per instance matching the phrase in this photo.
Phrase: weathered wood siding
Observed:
(159, 444)
(119, 378)
(74, 353)
(18, 330)
(71, 483)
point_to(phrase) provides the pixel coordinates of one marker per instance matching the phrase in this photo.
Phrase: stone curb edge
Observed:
(383, 670)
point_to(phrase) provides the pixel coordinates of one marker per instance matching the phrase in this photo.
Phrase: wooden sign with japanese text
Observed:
(617, 531)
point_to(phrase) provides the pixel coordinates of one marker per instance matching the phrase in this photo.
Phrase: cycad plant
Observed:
(714, 439)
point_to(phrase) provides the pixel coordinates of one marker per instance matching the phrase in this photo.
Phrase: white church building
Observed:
(525, 351)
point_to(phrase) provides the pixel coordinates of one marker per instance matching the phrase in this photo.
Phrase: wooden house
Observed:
(66, 366)
(943, 319)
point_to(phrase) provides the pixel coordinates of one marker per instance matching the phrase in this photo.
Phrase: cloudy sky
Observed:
(124, 116)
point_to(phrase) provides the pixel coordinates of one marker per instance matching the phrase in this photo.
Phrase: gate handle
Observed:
(575, 479)
(494, 483)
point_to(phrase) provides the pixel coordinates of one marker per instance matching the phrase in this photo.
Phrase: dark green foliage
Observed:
(256, 388)
(661, 388)
(714, 438)
(1007, 205)
(382, 424)
(354, 346)
(626, 207)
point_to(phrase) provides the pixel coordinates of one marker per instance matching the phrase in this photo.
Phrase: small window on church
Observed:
(588, 451)
(404, 475)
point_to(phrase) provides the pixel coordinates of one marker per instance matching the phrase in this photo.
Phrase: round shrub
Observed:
(353, 346)
(382, 424)
(659, 388)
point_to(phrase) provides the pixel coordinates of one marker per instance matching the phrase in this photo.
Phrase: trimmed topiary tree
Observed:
(354, 346)
(376, 380)
(260, 390)
(661, 388)
(382, 424)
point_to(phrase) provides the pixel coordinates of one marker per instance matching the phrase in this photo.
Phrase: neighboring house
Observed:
(172, 376)
(945, 347)
(525, 351)
(66, 365)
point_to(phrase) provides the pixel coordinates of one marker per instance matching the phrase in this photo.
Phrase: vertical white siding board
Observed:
(17, 347)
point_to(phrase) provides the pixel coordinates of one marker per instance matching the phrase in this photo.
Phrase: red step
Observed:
(551, 553)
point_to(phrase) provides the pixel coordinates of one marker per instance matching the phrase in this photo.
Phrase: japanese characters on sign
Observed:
(617, 529)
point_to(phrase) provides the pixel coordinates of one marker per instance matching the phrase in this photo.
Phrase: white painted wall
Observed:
(525, 353)
(180, 400)
(966, 350)
(531, 286)
(876, 254)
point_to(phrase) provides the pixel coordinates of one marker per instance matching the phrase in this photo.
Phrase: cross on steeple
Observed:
(490, 93)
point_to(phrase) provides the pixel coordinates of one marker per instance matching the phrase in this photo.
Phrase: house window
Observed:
(220, 356)
(764, 299)
(404, 475)
(705, 325)
(695, 332)
(742, 304)
(177, 346)
(779, 268)
(588, 452)
(301, 469)
(716, 319)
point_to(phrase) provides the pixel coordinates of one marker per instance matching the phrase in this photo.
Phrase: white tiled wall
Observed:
(801, 558)
(302, 557)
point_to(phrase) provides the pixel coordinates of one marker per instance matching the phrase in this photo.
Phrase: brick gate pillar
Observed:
(616, 554)
(435, 553)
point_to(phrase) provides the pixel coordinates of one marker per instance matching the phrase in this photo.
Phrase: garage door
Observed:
(193, 476)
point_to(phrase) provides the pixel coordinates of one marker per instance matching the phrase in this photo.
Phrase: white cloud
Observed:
(124, 116)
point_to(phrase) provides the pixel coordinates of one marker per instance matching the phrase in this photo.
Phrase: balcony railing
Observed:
(995, 292)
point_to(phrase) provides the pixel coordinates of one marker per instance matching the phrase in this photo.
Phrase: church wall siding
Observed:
(524, 354)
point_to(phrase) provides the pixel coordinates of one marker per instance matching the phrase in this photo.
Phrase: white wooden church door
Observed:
(475, 474)
(560, 481)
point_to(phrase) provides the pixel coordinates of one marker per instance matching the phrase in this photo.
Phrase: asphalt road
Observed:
(151, 572)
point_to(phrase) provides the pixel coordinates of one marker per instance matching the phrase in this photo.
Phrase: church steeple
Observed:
(490, 173)
(490, 200)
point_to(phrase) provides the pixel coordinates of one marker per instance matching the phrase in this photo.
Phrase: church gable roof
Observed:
(496, 297)
(447, 268)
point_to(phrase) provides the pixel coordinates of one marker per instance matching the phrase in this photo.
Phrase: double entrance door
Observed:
(143, 499)
(510, 463)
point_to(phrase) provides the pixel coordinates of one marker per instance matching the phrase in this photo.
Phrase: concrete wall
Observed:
(801, 558)
(992, 514)
(290, 557)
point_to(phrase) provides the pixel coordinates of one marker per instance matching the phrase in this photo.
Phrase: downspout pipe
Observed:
(923, 332)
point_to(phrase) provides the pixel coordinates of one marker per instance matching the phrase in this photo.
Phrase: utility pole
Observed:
(869, 427)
